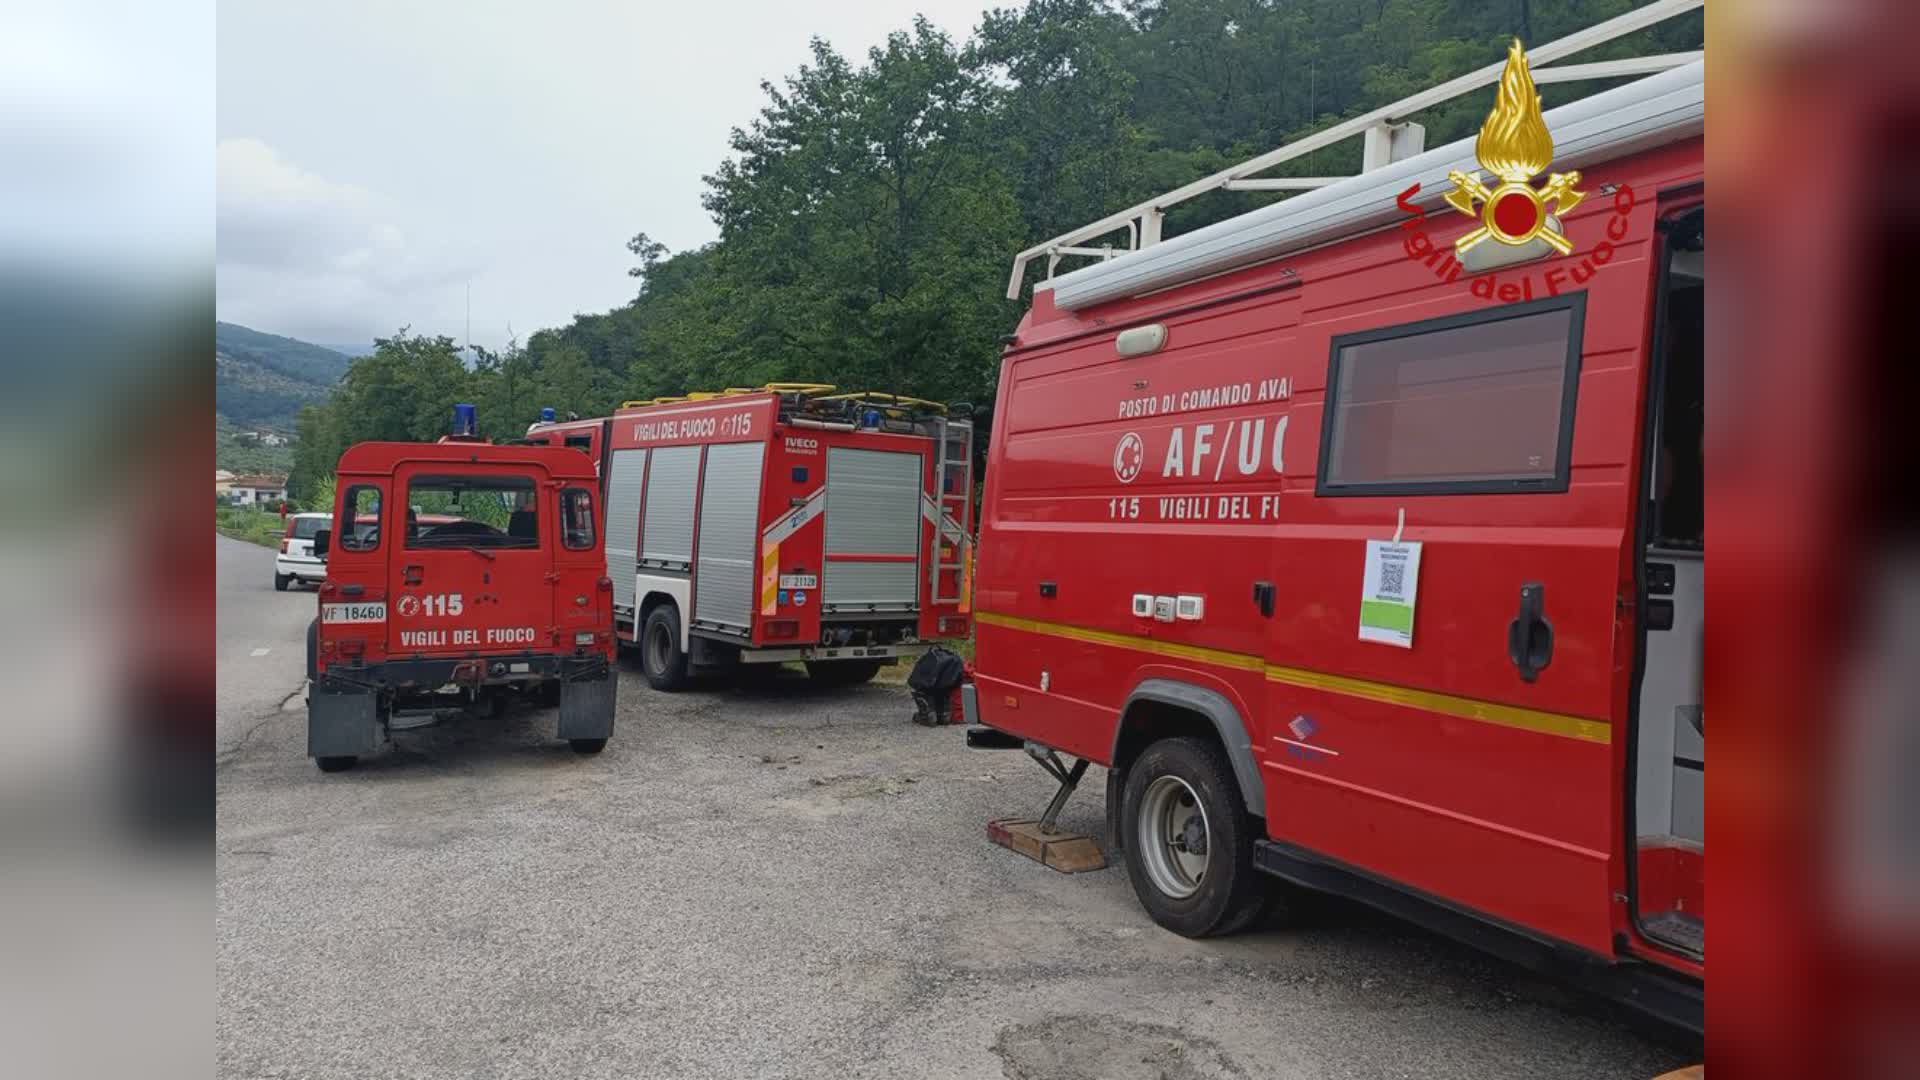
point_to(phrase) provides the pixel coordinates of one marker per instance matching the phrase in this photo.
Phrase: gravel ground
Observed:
(782, 881)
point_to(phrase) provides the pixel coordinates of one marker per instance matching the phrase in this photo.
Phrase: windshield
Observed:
(305, 527)
(491, 511)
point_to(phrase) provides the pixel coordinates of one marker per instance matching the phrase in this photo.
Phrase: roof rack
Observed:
(1389, 138)
(880, 399)
(798, 389)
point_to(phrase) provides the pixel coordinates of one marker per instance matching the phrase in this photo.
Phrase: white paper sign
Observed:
(1388, 591)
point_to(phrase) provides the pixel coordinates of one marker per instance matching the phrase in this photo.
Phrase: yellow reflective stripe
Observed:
(769, 578)
(1514, 716)
(1126, 641)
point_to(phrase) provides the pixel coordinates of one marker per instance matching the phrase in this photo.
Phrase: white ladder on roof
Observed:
(1389, 137)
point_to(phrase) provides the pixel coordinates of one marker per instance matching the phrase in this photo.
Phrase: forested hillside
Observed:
(869, 214)
(264, 379)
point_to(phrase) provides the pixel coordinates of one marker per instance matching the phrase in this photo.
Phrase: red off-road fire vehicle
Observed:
(471, 572)
(1369, 557)
(782, 523)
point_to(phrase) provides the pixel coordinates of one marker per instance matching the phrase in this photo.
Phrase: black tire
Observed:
(661, 657)
(313, 649)
(280, 582)
(843, 672)
(336, 764)
(1229, 894)
(587, 746)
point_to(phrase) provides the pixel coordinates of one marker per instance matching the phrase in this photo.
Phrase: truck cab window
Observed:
(477, 511)
(360, 524)
(576, 518)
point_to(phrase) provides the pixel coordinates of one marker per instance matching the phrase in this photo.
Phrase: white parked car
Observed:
(296, 561)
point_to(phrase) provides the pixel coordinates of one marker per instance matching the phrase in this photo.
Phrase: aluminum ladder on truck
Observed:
(953, 477)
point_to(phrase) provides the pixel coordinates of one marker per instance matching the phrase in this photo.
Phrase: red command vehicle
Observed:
(1372, 577)
(780, 524)
(471, 572)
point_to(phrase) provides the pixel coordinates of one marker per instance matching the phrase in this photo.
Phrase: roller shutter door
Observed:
(729, 532)
(624, 476)
(667, 531)
(873, 531)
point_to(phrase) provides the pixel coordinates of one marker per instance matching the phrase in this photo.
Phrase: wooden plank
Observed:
(1069, 853)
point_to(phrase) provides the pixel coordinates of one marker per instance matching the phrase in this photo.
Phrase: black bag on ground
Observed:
(932, 680)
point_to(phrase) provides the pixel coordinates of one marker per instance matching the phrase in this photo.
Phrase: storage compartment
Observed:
(729, 531)
(667, 529)
(873, 532)
(625, 479)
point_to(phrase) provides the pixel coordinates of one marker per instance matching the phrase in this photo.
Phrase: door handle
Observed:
(1530, 635)
(411, 575)
(1263, 593)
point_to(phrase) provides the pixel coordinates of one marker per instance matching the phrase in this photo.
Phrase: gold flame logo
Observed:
(1515, 147)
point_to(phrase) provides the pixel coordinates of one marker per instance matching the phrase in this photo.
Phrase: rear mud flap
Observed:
(586, 708)
(342, 725)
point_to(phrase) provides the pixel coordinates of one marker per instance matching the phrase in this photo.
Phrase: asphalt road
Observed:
(260, 640)
(770, 882)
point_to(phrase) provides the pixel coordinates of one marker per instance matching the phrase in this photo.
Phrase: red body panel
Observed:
(1436, 767)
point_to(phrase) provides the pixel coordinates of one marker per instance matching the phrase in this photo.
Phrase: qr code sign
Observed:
(1393, 578)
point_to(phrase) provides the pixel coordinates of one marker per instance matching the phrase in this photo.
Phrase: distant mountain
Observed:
(352, 351)
(263, 379)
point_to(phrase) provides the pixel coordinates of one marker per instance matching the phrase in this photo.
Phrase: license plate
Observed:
(354, 613)
(799, 581)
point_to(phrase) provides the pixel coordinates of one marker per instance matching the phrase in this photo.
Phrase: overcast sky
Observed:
(376, 156)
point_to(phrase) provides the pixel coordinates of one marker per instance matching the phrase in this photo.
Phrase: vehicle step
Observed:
(986, 738)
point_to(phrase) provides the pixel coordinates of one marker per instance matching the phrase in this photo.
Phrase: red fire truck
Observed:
(1370, 561)
(783, 523)
(469, 572)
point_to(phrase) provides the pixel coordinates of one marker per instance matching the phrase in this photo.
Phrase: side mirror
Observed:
(322, 540)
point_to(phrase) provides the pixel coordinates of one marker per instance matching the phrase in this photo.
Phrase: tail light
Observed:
(953, 625)
(781, 628)
(605, 584)
(353, 646)
(286, 546)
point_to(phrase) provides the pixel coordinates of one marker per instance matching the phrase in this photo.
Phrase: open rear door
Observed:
(1668, 759)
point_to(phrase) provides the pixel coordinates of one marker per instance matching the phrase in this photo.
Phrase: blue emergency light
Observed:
(870, 418)
(465, 421)
(547, 415)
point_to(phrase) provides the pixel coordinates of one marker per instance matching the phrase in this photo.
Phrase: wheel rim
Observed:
(1173, 838)
(659, 648)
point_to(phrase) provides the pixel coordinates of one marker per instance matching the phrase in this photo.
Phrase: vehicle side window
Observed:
(362, 509)
(576, 518)
(1481, 402)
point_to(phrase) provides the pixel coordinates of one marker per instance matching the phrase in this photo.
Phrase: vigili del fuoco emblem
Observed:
(1515, 147)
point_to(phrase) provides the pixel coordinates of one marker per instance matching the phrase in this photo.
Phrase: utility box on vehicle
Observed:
(1369, 556)
(786, 523)
(462, 574)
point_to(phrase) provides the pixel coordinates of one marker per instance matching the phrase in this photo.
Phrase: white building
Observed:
(255, 490)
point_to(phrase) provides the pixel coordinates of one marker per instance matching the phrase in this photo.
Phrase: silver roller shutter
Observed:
(873, 508)
(667, 532)
(624, 476)
(729, 532)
